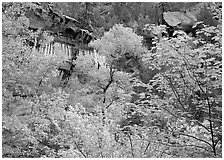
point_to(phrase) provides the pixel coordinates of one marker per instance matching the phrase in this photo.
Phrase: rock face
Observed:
(45, 18)
(65, 30)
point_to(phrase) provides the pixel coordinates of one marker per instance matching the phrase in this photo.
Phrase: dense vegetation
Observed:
(162, 100)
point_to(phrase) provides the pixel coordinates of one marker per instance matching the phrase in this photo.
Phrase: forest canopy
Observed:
(111, 80)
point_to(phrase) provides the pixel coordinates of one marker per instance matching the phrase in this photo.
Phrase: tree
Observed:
(125, 56)
(27, 74)
(191, 88)
(124, 51)
(122, 100)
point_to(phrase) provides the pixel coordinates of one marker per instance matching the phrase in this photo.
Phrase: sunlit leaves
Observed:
(117, 42)
(191, 85)
(93, 115)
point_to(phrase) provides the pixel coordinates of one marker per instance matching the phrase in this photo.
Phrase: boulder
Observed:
(180, 20)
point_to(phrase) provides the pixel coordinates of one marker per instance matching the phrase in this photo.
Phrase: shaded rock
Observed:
(179, 20)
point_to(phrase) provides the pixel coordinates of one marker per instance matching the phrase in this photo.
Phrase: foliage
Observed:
(191, 88)
(117, 50)
(26, 74)
(177, 112)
